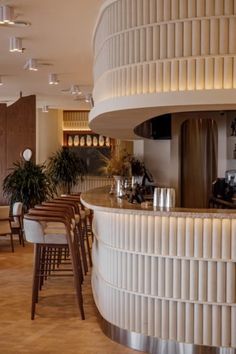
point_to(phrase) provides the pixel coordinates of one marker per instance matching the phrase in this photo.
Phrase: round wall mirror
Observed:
(27, 154)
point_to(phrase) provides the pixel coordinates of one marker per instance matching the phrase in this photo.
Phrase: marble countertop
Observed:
(99, 199)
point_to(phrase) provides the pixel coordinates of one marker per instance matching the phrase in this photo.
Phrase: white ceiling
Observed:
(60, 36)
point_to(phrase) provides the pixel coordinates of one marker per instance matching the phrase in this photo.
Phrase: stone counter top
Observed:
(100, 199)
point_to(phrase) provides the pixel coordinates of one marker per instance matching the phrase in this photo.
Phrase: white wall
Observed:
(49, 134)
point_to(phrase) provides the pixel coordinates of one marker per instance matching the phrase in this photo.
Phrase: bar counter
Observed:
(164, 281)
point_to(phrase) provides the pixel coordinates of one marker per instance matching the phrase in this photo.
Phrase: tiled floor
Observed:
(57, 327)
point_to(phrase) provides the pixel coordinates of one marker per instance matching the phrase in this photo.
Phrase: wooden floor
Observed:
(57, 327)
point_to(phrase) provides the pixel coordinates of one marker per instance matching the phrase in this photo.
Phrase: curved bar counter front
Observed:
(164, 280)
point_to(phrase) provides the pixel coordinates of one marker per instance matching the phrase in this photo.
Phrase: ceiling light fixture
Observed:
(16, 44)
(75, 90)
(31, 64)
(45, 109)
(7, 17)
(1, 83)
(53, 80)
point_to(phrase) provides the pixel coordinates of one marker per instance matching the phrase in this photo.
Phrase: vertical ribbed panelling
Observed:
(144, 231)
(234, 72)
(200, 8)
(191, 74)
(187, 41)
(211, 281)
(189, 244)
(196, 37)
(169, 278)
(210, 7)
(133, 13)
(163, 41)
(228, 7)
(189, 321)
(176, 278)
(159, 77)
(181, 237)
(207, 239)
(147, 270)
(198, 230)
(226, 239)
(200, 71)
(170, 40)
(230, 283)
(167, 10)
(173, 236)
(153, 7)
(233, 326)
(225, 326)
(205, 37)
(193, 282)
(174, 9)
(165, 236)
(180, 322)
(198, 324)
(219, 7)
(166, 76)
(143, 51)
(232, 31)
(156, 42)
(154, 277)
(149, 43)
(202, 281)
(209, 73)
(152, 78)
(157, 229)
(157, 310)
(216, 325)
(165, 319)
(221, 279)
(174, 75)
(214, 36)
(185, 279)
(192, 11)
(161, 277)
(179, 39)
(183, 8)
(233, 239)
(216, 238)
(139, 12)
(172, 320)
(146, 12)
(151, 318)
(228, 73)
(218, 73)
(224, 35)
(207, 325)
(160, 10)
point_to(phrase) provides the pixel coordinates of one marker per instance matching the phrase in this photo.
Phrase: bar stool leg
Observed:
(36, 278)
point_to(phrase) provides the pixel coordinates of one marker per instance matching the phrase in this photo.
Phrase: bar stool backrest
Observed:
(33, 231)
(17, 211)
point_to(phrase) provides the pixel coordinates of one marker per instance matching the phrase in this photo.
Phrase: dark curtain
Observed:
(198, 161)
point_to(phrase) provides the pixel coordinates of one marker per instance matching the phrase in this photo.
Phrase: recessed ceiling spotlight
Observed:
(1, 83)
(53, 80)
(45, 109)
(7, 17)
(15, 45)
(31, 64)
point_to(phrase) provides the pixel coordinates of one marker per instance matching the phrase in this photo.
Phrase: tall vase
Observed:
(118, 185)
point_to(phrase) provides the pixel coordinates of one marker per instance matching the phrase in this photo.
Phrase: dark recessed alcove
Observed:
(157, 128)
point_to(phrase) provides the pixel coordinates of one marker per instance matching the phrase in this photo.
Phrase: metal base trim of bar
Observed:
(154, 345)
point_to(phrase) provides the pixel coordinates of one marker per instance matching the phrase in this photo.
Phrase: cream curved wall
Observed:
(155, 51)
(170, 275)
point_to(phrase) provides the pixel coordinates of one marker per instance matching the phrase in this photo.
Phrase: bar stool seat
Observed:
(48, 242)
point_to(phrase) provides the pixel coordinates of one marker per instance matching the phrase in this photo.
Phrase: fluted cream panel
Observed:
(173, 277)
(138, 33)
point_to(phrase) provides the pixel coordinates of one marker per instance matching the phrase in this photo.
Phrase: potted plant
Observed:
(65, 168)
(27, 183)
